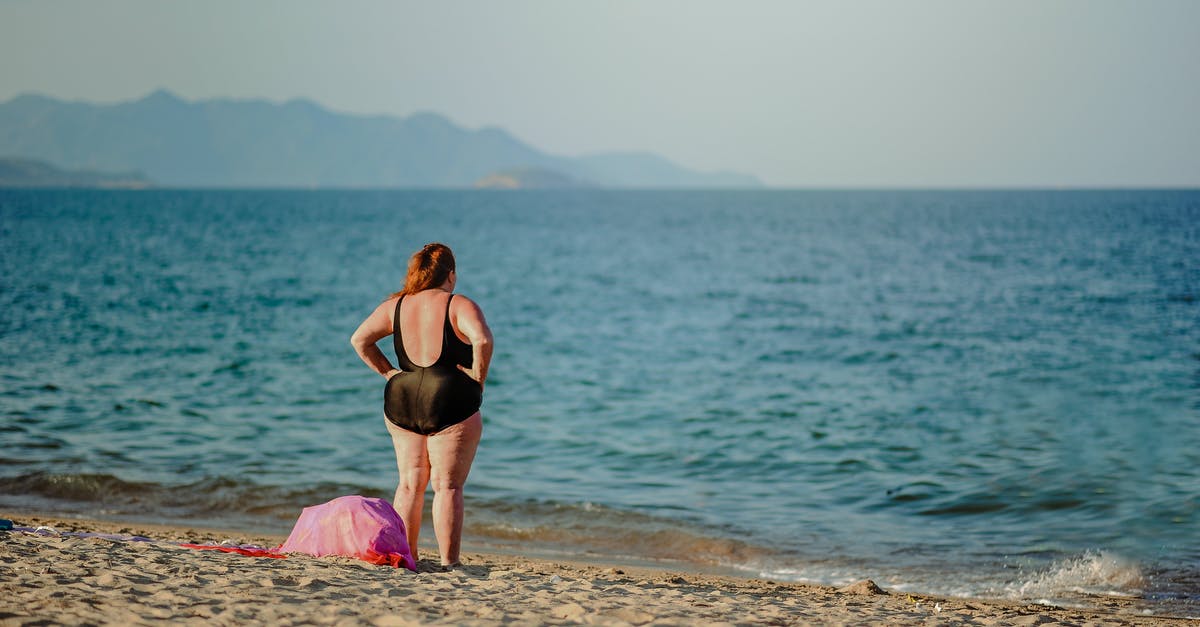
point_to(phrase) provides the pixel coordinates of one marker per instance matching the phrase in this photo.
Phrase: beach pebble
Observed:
(866, 586)
(556, 579)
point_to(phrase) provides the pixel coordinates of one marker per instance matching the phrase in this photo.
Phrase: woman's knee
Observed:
(445, 482)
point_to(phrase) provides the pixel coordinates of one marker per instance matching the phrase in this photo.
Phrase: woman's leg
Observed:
(451, 452)
(412, 461)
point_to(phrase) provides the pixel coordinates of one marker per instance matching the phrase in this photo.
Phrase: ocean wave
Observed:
(596, 529)
(221, 501)
(1096, 573)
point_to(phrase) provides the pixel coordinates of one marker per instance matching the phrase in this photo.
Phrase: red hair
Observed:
(428, 267)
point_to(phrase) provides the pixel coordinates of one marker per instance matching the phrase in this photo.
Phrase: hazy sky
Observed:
(843, 93)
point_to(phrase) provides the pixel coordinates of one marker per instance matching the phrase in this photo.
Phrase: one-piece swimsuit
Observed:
(427, 399)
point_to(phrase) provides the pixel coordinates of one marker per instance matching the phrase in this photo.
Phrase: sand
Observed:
(72, 580)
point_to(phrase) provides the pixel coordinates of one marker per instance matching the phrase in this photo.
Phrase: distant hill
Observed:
(17, 172)
(255, 143)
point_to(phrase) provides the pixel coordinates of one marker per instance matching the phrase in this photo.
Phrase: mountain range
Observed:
(257, 143)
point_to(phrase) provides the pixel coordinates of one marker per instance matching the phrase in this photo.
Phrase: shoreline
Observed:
(70, 579)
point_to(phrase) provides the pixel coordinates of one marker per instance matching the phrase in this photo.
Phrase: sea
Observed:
(981, 394)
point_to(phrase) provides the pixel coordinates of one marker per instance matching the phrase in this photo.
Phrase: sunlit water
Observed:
(971, 393)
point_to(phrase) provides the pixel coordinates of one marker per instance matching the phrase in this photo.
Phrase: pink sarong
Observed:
(353, 526)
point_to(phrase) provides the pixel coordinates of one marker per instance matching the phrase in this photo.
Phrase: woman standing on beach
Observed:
(432, 410)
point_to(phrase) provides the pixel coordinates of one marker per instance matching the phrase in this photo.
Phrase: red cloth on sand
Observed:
(240, 550)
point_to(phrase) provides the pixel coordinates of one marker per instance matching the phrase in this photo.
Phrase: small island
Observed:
(528, 178)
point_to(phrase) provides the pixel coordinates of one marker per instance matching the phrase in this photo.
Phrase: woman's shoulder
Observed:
(388, 306)
(462, 303)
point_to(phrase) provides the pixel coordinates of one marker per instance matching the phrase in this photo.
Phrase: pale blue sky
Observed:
(842, 94)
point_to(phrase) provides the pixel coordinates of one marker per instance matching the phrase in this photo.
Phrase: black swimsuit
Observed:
(427, 399)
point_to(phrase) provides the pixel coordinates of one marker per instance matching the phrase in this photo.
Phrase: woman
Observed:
(431, 403)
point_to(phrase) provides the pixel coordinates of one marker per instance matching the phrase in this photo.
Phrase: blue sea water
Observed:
(983, 394)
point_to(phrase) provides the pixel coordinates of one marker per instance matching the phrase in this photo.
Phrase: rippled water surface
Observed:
(976, 393)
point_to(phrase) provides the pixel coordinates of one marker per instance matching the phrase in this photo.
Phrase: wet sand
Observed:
(60, 579)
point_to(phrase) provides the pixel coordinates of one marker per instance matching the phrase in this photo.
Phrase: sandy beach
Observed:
(63, 579)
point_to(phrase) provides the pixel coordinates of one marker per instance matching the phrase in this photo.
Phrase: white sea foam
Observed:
(811, 574)
(1093, 573)
(1064, 583)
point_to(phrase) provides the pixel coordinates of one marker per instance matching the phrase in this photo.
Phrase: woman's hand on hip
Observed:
(475, 373)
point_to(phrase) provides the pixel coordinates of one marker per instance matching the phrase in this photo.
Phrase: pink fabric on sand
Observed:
(353, 526)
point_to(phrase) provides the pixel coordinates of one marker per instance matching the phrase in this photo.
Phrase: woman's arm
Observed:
(377, 326)
(468, 319)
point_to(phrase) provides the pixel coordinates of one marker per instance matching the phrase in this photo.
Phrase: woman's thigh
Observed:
(452, 450)
(411, 452)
